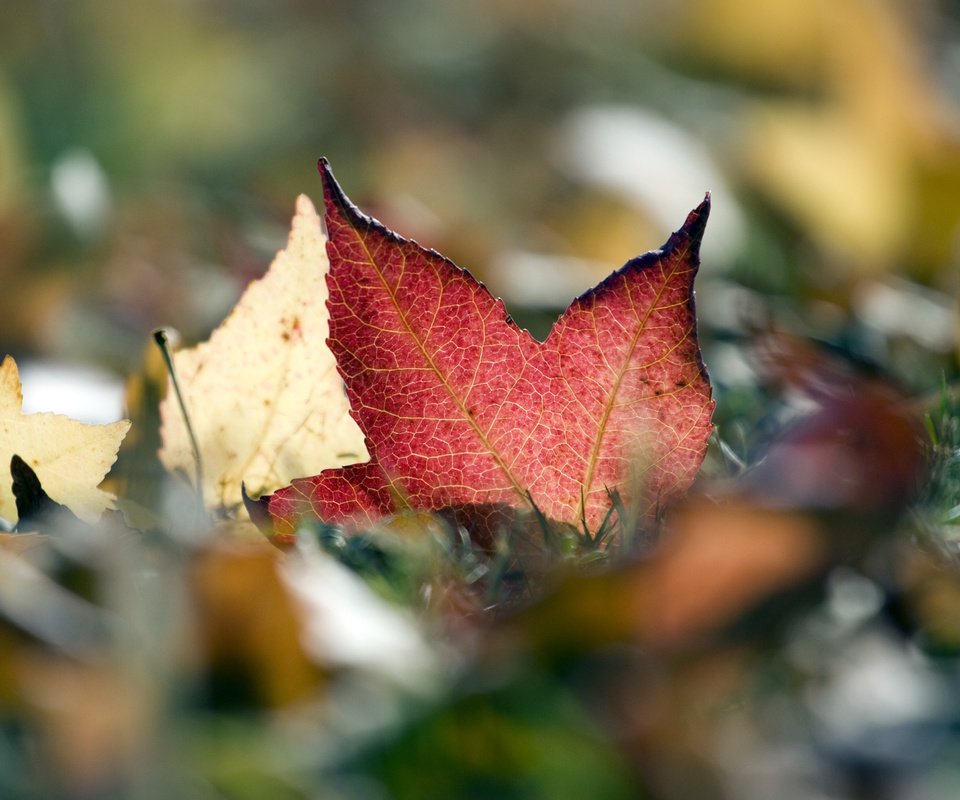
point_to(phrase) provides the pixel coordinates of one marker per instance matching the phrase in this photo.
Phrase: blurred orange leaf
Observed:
(719, 561)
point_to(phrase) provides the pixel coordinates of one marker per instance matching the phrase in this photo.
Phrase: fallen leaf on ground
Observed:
(70, 458)
(461, 407)
(263, 393)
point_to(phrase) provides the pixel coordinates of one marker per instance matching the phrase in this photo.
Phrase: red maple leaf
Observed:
(460, 406)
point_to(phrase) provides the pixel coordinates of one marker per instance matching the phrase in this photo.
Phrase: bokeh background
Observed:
(150, 157)
(150, 154)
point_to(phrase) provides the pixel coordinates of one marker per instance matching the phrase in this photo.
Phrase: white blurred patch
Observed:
(347, 625)
(653, 164)
(875, 691)
(851, 597)
(900, 308)
(81, 191)
(729, 366)
(542, 280)
(82, 393)
(725, 305)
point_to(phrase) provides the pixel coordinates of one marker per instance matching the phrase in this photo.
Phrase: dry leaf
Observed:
(70, 457)
(462, 408)
(263, 393)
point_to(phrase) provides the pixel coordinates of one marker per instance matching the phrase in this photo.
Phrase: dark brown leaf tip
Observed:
(335, 199)
(696, 222)
(33, 503)
(258, 510)
(333, 193)
(685, 241)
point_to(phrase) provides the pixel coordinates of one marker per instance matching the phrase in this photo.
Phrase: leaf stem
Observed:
(162, 342)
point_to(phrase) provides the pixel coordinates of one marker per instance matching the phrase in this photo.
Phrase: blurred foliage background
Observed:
(150, 155)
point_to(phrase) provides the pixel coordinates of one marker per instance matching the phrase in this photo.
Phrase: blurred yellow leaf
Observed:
(863, 156)
(845, 165)
(69, 457)
(775, 39)
(842, 184)
(247, 621)
(263, 394)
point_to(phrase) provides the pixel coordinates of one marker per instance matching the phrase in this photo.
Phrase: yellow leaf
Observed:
(774, 41)
(69, 457)
(820, 164)
(263, 394)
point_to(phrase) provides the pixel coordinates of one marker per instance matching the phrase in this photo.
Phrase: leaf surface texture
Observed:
(460, 406)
